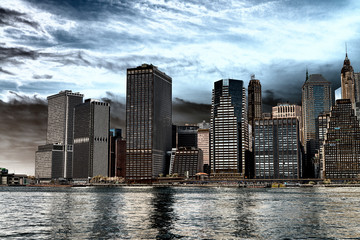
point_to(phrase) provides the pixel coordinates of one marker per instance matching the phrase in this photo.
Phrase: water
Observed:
(179, 213)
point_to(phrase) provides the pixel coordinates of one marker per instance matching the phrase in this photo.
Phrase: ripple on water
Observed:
(179, 213)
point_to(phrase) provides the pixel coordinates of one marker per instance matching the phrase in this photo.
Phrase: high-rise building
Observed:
(60, 135)
(91, 139)
(348, 81)
(316, 98)
(342, 143)
(255, 100)
(229, 127)
(148, 122)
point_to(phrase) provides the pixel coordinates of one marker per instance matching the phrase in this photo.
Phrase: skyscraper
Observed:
(148, 122)
(57, 153)
(255, 100)
(348, 81)
(342, 143)
(229, 127)
(316, 98)
(91, 139)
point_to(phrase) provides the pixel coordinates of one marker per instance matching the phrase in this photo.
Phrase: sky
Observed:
(86, 46)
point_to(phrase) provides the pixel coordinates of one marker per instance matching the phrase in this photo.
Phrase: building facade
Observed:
(148, 122)
(342, 143)
(60, 134)
(229, 139)
(254, 100)
(91, 139)
(186, 136)
(277, 150)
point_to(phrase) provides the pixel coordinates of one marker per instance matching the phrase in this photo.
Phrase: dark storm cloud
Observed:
(12, 18)
(190, 112)
(269, 100)
(117, 110)
(23, 127)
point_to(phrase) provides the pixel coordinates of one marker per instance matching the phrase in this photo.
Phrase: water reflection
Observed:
(162, 215)
(244, 222)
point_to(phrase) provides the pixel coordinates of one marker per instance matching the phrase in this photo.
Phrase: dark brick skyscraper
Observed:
(148, 122)
(255, 101)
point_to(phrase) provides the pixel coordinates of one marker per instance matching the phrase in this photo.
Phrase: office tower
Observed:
(91, 139)
(229, 127)
(117, 154)
(204, 144)
(186, 161)
(148, 122)
(342, 143)
(348, 81)
(54, 160)
(255, 100)
(316, 98)
(187, 136)
(277, 149)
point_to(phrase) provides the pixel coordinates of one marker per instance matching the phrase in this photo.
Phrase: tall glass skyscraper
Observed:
(148, 122)
(316, 98)
(229, 127)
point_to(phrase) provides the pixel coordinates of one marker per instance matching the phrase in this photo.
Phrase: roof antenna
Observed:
(307, 73)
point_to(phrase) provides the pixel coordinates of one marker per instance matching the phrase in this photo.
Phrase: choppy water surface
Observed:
(179, 213)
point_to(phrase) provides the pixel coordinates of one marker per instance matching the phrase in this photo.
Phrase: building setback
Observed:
(49, 162)
(186, 161)
(91, 139)
(229, 138)
(277, 149)
(342, 143)
(148, 122)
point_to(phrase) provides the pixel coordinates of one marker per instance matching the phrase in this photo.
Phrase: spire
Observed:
(346, 56)
(307, 74)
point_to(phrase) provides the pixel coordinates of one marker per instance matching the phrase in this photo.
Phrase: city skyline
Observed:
(46, 47)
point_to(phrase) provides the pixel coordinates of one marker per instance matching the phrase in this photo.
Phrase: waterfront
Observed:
(179, 213)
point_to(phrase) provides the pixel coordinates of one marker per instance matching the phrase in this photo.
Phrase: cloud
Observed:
(6, 72)
(12, 18)
(45, 76)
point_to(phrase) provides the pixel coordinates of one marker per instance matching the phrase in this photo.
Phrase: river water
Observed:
(179, 213)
